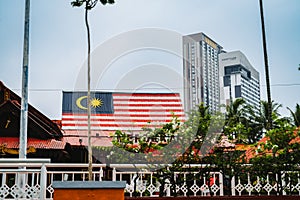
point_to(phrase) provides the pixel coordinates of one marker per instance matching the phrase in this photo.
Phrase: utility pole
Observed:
(24, 100)
(269, 125)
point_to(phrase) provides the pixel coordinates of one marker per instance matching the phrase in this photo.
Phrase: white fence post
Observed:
(3, 179)
(43, 182)
(283, 184)
(168, 189)
(114, 174)
(221, 181)
(233, 186)
(100, 174)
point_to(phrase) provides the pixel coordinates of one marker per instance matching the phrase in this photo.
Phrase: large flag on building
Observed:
(120, 111)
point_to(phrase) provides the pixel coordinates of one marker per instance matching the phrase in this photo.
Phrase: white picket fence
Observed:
(33, 178)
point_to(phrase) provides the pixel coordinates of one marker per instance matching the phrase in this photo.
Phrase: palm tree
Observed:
(236, 120)
(203, 119)
(296, 115)
(234, 111)
(89, 4)
(243, 123)
(263, 118)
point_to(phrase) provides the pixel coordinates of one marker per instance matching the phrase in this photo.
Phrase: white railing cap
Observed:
(25, 160)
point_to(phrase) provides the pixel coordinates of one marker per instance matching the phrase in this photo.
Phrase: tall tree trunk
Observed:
(90, 153)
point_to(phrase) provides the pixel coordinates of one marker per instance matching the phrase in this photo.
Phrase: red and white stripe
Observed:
(131, 112)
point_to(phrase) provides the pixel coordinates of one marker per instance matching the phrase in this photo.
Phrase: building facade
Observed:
(238, 79)
(201, 72)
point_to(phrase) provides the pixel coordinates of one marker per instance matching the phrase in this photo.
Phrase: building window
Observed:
(226, 81)
(238, 91)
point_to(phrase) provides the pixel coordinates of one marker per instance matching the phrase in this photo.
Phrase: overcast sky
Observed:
(58, 44)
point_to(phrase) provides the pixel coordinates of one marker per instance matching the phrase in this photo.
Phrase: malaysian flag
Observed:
(120, 111)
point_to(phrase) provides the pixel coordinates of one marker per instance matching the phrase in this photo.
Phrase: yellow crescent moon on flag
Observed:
(78, 102)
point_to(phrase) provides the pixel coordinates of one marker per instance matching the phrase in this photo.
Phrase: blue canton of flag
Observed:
(76, 102)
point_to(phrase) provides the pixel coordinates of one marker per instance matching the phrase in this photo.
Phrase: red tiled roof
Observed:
(96, 141)
(13, 143)
(99, 137)
(242, 147)
(84, 133)
(225, 143)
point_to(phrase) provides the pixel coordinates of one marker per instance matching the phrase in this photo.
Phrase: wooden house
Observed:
(45, 138)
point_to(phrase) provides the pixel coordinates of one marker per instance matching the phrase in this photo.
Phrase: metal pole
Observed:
(24, 100)
(269, 125)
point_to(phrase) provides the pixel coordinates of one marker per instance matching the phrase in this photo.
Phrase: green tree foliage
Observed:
(262, 118)
(186, 142)
(240, 123)
(144, 147)
(200, 134)
(296, 115)
(280, 153)
(89, 4)
(196, 129)
(149, 139)
(235, 111)
(246, 125)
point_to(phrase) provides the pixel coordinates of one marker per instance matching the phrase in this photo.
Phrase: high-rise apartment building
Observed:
(201, 72)
(238, 79)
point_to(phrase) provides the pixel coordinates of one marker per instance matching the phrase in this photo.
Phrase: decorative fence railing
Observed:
(20, 182)
(142, 180)
(284, 183)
